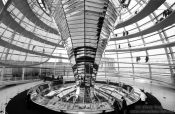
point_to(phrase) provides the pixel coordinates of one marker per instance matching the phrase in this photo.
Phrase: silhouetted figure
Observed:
(44, 79)
(58, 77)
(116, 106)
(107, 81)
(167, 12)
(126, 33)
(119, 46)
(136, 12)
(157, 21)
(43, 50)
(33, 48)
(164, 13)
(52, 77)
(123, 1)
(138, 59)
(146, 59)
(61, 79)
(123, 33)
(124, 106)
(161, 19)
(129, 45)
(28, 101)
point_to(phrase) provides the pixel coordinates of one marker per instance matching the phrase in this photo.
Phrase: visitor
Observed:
(116, 105)
(129, 45)
(61, 79)
(119, 46)
(28, 101)
(77, 93)
(169, 11)
(107, 81)
(122, 1)
(52, 77)
(44, 78)
(125, 3)
(138, 59)
(43, 50)
(33, 48)
(124, 106)
(58, 77)
(124, 33)
(166, 12)
(161, 19)
(146, 59)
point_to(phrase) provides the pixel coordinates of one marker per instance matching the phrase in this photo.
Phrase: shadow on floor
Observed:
(150, 106)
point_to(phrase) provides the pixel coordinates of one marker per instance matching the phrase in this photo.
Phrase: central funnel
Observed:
(85, 27)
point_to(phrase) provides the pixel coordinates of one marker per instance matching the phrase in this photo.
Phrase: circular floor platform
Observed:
(58, 99)
(100, 98)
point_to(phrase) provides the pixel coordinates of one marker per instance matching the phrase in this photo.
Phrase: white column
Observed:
(2, 73)
(40, 69)
(23, 72)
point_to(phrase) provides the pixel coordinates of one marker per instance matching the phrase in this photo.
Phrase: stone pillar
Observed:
(23, 73)
(40, 70)
(2, 71)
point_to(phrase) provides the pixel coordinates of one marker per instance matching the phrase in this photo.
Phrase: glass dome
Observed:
(29, 36)
(140, 45)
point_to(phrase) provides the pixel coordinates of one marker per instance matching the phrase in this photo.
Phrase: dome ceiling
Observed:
(29, 35)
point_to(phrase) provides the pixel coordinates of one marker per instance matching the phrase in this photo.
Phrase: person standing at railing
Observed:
(123, 33)
(146, 59)
(129, 45)
(138, 59)
(166, 12)
(61, 79)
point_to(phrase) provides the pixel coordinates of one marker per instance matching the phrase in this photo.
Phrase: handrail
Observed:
(50, 107)
(8, 19)
(61, 46)
(171, 44)
(152, 20)
(8, 45)
(152, 5)
(142, 63)
(28, 12)
(129, 36)
(134, 76)
(6, 83)
(156, 33)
